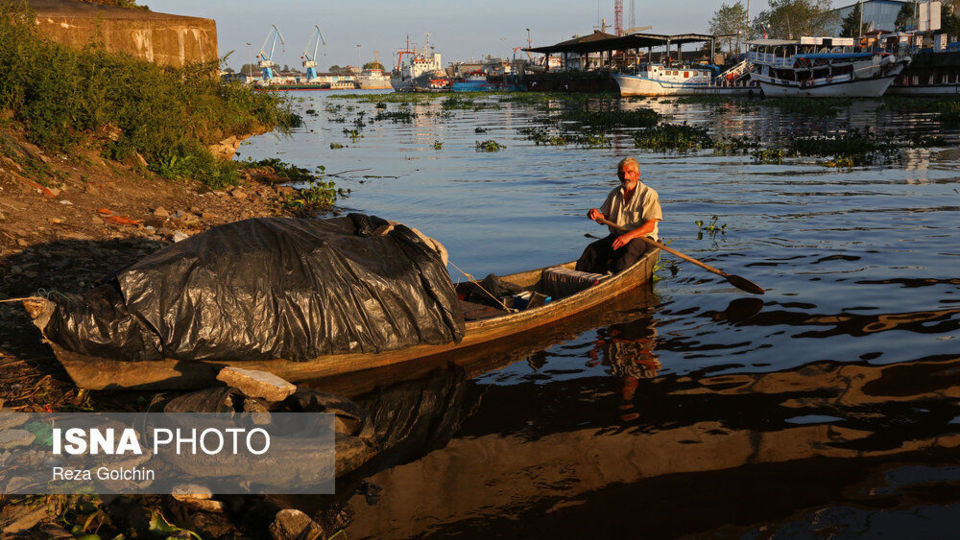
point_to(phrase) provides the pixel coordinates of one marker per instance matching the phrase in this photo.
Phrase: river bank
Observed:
(69, 220)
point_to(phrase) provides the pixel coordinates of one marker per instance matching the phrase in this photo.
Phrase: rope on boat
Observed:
(475, 282)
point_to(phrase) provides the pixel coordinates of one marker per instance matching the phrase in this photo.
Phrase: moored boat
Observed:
(373, 79)
(423, 69)
(484, 325)
(822, 67)
(664, 80)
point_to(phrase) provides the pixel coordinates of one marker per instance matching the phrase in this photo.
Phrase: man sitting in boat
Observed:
(634, 206)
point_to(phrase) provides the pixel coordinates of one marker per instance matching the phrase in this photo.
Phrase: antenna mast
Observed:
(618, 17)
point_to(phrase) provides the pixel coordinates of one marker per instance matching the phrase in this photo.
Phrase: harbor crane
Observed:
(310, 60)
(265, 60)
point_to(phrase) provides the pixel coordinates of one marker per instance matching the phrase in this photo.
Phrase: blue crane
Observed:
(265, 61)
(310, 61)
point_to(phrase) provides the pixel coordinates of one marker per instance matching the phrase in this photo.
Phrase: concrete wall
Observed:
(170, 40)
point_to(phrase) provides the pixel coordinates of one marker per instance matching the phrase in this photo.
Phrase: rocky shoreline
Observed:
(68, 221)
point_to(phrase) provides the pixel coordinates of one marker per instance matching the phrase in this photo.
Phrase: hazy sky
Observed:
(460, 30)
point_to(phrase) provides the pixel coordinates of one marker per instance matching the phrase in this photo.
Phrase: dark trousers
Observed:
(600, 257)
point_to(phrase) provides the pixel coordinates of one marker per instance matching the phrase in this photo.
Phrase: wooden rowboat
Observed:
(97, 373)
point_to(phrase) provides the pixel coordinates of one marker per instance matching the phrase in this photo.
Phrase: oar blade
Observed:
(744, 284)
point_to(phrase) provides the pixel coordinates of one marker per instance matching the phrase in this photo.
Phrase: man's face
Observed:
(628, 174)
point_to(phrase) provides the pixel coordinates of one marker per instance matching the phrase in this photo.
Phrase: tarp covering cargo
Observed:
(269, 288)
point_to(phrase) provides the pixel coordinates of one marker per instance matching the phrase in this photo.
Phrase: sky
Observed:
(458, 29)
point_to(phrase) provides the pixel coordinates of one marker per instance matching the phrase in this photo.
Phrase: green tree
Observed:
(850, 23)
(905, 17)
(949, 21)
(730, 20)
(790, 19)
(373, 65)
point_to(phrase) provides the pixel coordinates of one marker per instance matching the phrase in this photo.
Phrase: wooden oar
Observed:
(739, 282)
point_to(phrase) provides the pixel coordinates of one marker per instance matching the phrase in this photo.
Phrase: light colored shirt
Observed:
(643, 206)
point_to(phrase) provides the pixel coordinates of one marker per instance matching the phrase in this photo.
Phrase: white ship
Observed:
(822, 67)
(373, 79)
(664, 80)
(422, 65)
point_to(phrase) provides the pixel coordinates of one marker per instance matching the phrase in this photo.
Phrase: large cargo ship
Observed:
(422, 72)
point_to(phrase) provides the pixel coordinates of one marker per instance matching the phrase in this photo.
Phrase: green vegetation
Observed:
(768, 155)
(641, 117)
(396, 97)
(675, 136)
(489, 146)
(319, 195)
(66, 97)
(712, 228)
(437, 145)
(466, 101)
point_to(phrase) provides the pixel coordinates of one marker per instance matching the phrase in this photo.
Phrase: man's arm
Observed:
(642, 230)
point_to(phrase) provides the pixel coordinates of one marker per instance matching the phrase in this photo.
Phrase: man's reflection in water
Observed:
(628, 349)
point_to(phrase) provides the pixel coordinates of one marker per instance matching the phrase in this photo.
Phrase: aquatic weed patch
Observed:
(673, 136)
(807, 106)
(395, 97)
(637, 118)
(467, 103)
(489, 146)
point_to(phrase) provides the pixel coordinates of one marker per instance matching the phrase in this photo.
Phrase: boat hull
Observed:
(850, 88)
(97, 373)
(635, 85)
(924, 90)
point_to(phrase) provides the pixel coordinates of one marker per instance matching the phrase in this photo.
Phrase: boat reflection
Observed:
(552, 459)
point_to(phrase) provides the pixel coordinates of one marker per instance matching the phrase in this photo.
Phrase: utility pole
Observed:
(250, 59)
(860, 25)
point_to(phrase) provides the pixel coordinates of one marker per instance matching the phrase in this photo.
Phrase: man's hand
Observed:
(621, 241)
(595, 215)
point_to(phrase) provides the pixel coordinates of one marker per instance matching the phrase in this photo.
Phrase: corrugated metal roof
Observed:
(599, 41)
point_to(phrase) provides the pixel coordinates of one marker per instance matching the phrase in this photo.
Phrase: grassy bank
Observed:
(65, 97)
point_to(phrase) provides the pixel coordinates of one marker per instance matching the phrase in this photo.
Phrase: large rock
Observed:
(12, 438)
(257, 384)
(292, 524)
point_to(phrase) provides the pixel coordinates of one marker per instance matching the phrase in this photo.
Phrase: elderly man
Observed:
(632, 205)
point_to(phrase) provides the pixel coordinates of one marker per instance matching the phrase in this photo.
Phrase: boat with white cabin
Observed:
(822, 67)
(653, 79)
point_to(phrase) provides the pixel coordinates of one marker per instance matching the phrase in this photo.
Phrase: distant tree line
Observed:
(790, 19)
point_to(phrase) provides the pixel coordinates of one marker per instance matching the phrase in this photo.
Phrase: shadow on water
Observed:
(744, 451)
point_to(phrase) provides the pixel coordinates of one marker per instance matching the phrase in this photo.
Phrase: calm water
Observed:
(829, 407)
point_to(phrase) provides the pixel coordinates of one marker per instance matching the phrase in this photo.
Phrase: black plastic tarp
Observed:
(269, 288)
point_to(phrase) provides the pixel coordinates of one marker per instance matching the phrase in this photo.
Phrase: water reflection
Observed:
(550, 459)
(749, 414)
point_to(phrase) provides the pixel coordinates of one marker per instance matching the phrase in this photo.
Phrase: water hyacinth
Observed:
(673, 136)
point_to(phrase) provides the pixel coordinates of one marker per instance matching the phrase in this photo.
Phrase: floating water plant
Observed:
(673, 136)
(735, 145)
(479, 130)
(768, 155)
(335, 146)
(489, 146)
(712, 228)
(642, 117)
(405, 116)
(437, 145)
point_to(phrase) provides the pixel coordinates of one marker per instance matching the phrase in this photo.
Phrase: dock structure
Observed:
(628, 47)
(586, 61)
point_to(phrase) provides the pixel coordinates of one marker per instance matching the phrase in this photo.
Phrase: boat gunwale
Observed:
(98, 373)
